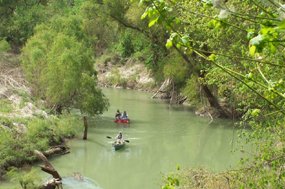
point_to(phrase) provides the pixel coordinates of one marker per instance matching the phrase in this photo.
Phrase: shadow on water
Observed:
(98, 143)
(180, 108)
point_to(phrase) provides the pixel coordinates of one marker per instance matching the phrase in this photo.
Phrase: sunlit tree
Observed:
(59, 65)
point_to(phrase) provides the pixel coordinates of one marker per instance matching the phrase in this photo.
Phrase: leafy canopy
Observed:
(62, 62)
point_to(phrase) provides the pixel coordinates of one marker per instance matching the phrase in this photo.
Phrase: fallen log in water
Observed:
(55, 150)
(55, 182)
(60, 149)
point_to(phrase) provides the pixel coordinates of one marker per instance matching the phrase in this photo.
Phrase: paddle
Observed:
(124, 140)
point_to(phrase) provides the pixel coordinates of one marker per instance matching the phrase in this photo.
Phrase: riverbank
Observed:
(24, 124)
(128, 73)
(153, 124)
(200, 178)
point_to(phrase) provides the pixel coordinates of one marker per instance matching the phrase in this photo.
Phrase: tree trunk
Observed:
(173, 94)
(214, 102)
(48, 168)
(211, 98)
(85, 127)
(164, 89)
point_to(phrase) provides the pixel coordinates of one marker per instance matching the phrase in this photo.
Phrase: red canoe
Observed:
(122, 121)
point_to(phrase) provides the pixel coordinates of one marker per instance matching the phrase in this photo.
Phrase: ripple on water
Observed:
(84, 182)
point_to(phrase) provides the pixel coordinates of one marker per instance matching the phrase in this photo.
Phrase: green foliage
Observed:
(19, 18)
(117, 8)
(28, 180)
(134, 45)
(192, 90)
(6, 122)
(4, 45)
(175, 68)
(67, 59)
(34, 58)
(235, 48)
(171, 182)
(70, 25)
(126, 46)
(66, 126)
(199, 178)
(91, 99)
(62, 60)
(24, 20)
(5, 106)
(133, 14)
(17, 147)
(243, 62)
(101, 31)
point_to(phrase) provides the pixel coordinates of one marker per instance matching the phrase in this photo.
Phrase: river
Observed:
(161, 137)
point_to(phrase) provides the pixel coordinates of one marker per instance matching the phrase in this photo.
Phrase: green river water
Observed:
(161, 138)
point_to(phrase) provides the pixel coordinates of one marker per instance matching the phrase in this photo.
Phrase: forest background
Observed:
(227, 55)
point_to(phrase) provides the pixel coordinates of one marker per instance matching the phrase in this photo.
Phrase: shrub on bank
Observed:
(198, 179)
(17, 145)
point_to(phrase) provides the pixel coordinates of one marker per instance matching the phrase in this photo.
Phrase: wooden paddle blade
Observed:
(109, 137)
(127, 141)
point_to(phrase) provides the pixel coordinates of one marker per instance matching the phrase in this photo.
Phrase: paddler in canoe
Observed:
(119, 141)
(121, 118)
(118, 115)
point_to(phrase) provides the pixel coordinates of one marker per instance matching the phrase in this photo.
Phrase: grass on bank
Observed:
(18, 141)
(5, 106)
(199, 179)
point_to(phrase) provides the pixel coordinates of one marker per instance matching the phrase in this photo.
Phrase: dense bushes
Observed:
(17, 143)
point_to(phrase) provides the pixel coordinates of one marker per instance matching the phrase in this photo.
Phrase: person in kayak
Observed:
(119, 138)
(125, 115)
(118, 114)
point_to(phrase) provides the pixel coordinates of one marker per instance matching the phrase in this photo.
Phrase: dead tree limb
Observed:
(60, 149)
(48, 168)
